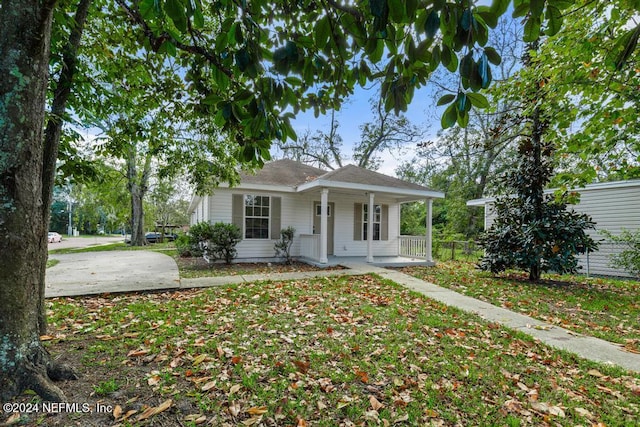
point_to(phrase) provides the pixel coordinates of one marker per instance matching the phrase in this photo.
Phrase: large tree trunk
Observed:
(138, 187)
(24, 60)
(54, 124)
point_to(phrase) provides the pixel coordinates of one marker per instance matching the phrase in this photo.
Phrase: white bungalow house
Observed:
(329, 210)
(613, 206)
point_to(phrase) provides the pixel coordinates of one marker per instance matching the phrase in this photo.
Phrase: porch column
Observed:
(429, 205)
(370, 217)
(324, 204)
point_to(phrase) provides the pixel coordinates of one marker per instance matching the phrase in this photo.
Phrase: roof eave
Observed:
(320, 183)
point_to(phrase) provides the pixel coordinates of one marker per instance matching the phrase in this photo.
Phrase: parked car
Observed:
(154, 237)
(54, 237)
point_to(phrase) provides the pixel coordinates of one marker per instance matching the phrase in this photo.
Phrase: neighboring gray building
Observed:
(613, 206)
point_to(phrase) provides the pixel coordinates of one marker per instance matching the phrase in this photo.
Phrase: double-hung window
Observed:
(377, 220)
(256, 216)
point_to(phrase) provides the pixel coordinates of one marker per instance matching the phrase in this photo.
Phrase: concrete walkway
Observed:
(88, 273)
(127, 271)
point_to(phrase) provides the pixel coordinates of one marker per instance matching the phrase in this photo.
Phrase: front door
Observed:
(316, 224)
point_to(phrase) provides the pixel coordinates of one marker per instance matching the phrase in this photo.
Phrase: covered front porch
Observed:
(378, 261)
(412, 250)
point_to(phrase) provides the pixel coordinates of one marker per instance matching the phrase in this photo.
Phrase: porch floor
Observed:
(379, 261)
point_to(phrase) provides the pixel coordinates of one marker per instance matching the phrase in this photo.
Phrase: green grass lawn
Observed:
(604, 308)
(165, 247)
(328, 352)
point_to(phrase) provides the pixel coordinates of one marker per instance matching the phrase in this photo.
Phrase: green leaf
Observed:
(487, 15)
(466, 65)
(432, 25)
(446, 99)
(376, 55)
(461, 102)
(176, 12)
(492, 55)
(449, 117)
(198, 18)
(396, 10)
(499, 7)
(323, 31)
(465, 20)
(536, 7)
(554, 20)
(478, 100)
(532, 29)
(628, 43)
(463, 119)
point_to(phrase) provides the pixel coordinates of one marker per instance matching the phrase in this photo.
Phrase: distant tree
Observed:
(321, 149)
(385, 132)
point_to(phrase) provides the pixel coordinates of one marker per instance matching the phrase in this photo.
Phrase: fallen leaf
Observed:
(138, 353)
(150, 412)
(302, 366)
(362, 376)
(199, 359)
(584, 413)
(251, 421)
(301, 423)
(196, 418)
(234, 388)
(430, 413)
(153, 380)
(208, 386)
(257, 410)
(401, 419)
(236, 359)
(13, 419)
(548, 409)
(234, 409)
(375, 403)
(595, 373)
(117, 412)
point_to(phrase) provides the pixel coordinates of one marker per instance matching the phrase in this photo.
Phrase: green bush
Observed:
(629, 259)
(283, 246)
(184, 246)
(199, 236)
(223, 241)
(214, 242)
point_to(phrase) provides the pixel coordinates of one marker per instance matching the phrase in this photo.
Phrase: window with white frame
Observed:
(377, 220)
(256, 217)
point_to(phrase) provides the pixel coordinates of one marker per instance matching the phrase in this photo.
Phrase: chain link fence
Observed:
(456, 250)
(596, 263)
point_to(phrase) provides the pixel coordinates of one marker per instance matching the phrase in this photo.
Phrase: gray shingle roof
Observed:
(283, 172)
(358, 175)
(291, 173)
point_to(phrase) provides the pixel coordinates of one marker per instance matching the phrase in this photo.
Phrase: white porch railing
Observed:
(413, 246)
(310, 246)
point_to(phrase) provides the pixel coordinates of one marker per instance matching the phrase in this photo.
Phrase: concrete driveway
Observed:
(89, 273)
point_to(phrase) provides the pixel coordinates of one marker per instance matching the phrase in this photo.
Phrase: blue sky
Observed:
(357, 111)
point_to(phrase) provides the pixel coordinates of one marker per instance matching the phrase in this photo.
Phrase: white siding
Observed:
(297, 211)
(612, 208)
(344, 245)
